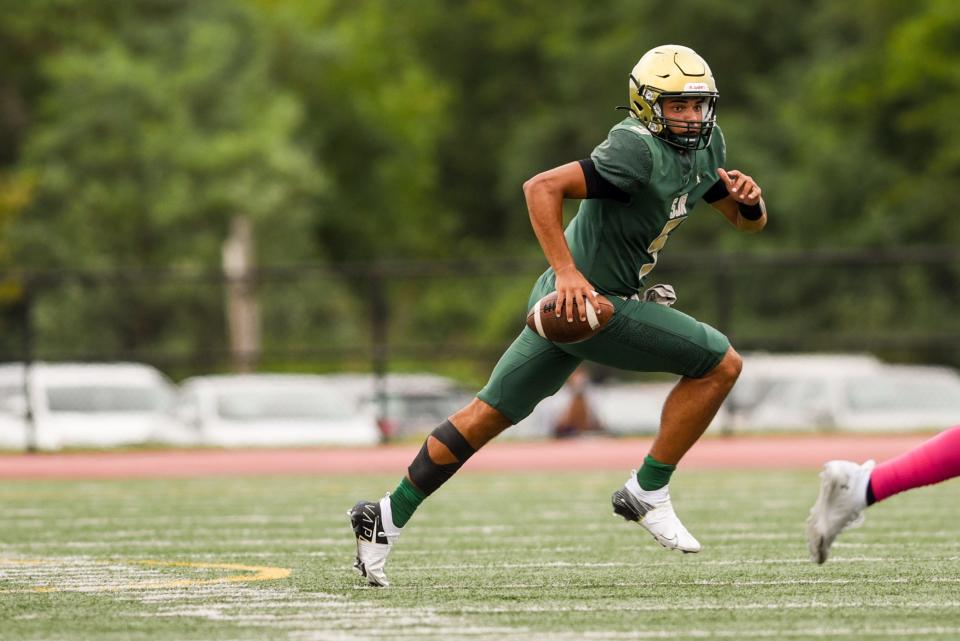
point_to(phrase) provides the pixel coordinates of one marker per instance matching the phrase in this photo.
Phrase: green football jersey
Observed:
(615, 244)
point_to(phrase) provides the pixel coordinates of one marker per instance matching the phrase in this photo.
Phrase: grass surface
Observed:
(505, 556)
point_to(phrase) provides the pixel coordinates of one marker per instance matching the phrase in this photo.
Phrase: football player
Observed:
(847, 489)
(636, 188)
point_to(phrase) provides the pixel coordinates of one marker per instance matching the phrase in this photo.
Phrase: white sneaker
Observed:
(654, 511)
(842, 499)
(374, 540)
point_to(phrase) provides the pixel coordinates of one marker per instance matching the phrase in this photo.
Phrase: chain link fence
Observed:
(455, 317)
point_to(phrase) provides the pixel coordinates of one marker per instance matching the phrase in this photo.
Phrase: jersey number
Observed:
(657, 245)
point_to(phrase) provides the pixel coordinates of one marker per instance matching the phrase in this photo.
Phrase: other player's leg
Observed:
(847, 489)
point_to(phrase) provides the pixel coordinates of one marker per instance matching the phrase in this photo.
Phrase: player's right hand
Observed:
(572, 286)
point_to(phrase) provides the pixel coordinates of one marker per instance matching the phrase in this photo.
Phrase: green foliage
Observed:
(148, 144)
(880, 142)
(374, 115)
(132, 132)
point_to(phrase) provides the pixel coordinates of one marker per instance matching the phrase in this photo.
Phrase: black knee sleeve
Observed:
(426, 474)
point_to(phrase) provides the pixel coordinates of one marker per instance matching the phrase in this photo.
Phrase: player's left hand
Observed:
(742, 187)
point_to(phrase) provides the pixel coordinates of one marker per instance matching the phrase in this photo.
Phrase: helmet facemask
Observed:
(648, 107)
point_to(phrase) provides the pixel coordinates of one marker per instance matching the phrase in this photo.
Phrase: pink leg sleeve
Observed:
(930, 462)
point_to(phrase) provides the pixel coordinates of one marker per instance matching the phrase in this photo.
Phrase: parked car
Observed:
(83, 405)
(234, 410)
(889, 398)
(406, 404)
(764, 372)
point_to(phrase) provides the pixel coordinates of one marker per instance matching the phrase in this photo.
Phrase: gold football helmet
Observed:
(673, 71)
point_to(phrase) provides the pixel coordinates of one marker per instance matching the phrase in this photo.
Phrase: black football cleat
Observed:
(373, 546)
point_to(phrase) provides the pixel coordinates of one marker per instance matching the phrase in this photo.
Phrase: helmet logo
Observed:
(696, 86)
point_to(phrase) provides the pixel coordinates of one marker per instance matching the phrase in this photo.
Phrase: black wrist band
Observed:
(750, 212)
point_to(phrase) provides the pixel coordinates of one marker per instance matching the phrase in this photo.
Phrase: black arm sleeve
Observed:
(598, 186)
(717, 191)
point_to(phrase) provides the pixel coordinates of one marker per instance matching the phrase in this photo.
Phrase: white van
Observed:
(83, 405)
(890, 398)
(272, 410)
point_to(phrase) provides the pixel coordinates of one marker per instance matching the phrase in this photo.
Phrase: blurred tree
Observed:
(130, 134)
(868, 158)
(148, 143)
(145, 144)
(374, 117)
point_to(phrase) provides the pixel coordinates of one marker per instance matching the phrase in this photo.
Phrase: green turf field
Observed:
(505, 556)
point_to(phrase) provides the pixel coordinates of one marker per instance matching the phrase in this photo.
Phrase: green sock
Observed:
(653, 474)
(404, 501)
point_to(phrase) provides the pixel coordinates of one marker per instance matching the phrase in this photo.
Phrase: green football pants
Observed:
(641, 337)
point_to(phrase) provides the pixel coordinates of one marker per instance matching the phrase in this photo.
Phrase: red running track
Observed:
(745, 452)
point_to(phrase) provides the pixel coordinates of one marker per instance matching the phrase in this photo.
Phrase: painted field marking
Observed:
(515, 634)
(665, 607)
(671, 563)
(251, 574)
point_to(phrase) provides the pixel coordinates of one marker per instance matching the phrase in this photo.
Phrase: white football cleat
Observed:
(840, 504)
(373, 543)
(656, 516)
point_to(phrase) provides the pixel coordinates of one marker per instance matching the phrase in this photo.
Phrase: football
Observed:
(543, 319)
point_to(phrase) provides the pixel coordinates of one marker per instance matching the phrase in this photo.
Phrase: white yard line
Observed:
(290, 614)
(672, 563)
(813, 604)
(513, 634)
